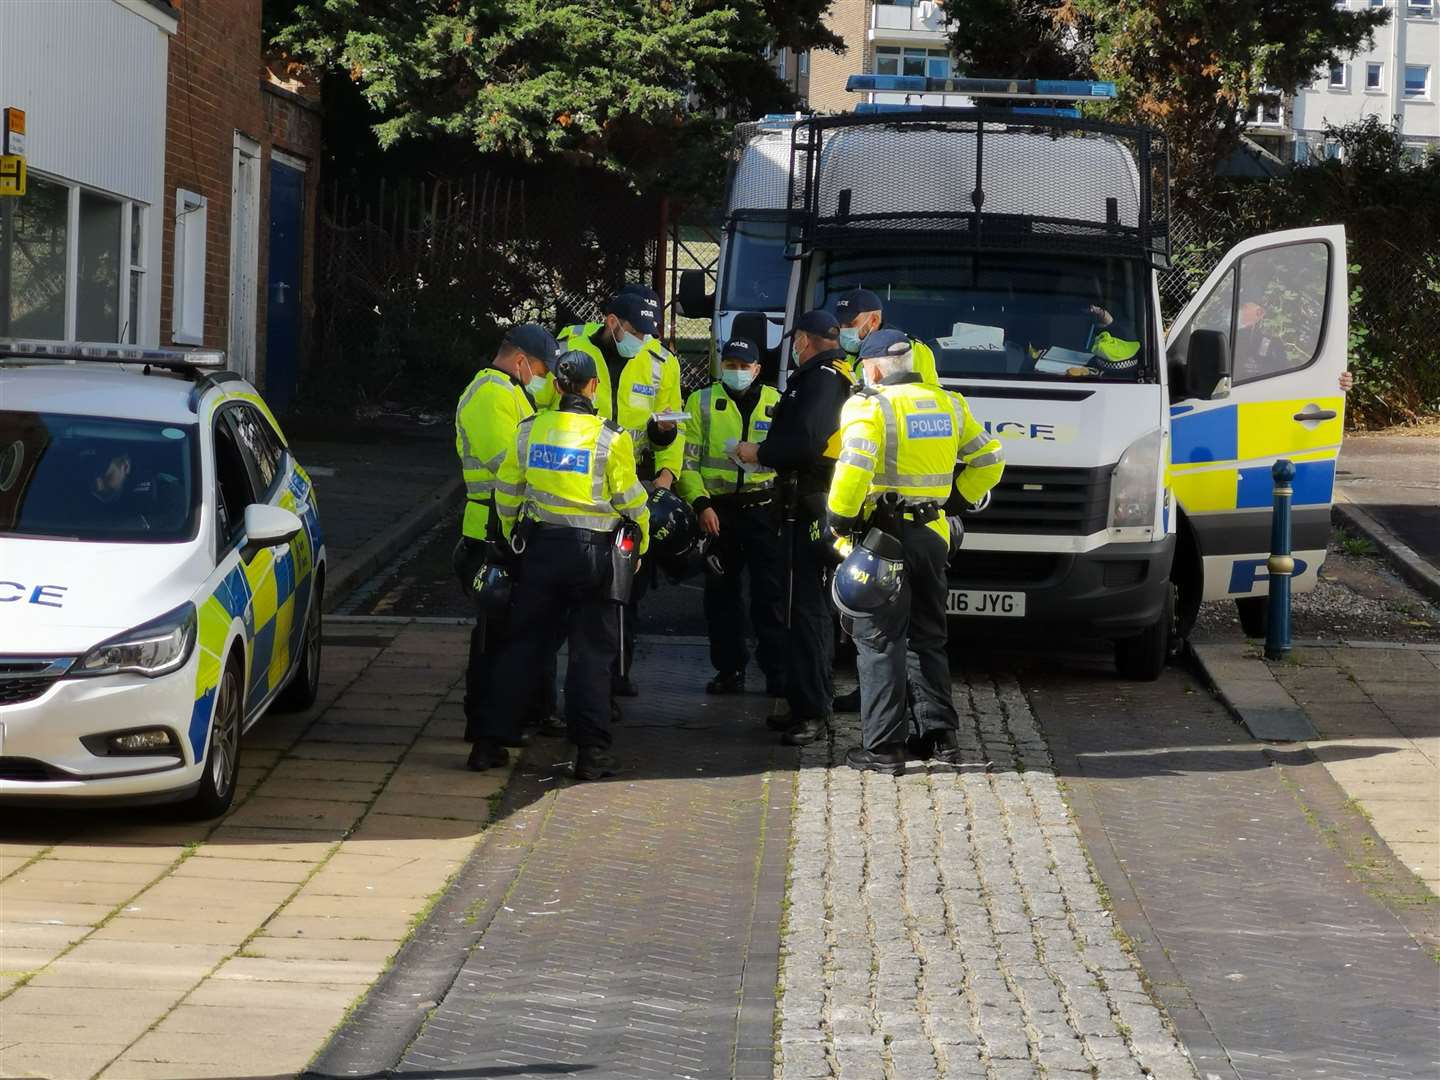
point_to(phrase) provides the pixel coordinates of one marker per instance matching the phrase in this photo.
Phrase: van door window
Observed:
(1280, 316)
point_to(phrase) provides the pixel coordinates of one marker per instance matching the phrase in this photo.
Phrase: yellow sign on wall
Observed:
(12, 174)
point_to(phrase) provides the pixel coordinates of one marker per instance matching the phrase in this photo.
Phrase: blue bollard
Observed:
(1280, 565)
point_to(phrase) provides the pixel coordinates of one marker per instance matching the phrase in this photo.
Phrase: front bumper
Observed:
(43, 753)
(1112, 592)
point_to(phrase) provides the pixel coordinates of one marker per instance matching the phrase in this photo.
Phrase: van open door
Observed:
(1255, 361)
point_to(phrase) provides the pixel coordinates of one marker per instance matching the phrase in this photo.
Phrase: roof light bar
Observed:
(1022, 110)
(1050, 89)
(76, 351)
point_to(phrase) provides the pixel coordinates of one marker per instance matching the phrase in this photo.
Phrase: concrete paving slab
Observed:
(299, 970)
(311, 948)
(210, 868)
(58, 1061)
(262, 811)
(25, 887)
(54, 912)
(293, 845)
(357, 772)
(183, 931)
(319, 926)
(62, 868)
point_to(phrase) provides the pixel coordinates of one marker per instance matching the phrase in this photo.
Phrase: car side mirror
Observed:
(1207, 365)
(691, 298)
(268, 526)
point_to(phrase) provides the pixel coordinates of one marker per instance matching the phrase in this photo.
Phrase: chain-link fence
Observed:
(418, 282)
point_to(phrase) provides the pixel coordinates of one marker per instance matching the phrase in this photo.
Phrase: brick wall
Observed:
(850, 19)
(217, 87)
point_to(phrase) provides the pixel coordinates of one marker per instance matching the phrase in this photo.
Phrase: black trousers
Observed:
(487, 638)
(748, 543)
(900, 650)
(562, 585)
(809, 685)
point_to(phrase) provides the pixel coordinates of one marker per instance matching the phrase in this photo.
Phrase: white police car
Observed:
(161, 573)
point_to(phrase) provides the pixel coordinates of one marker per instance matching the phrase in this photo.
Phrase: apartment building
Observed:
(905, 38)
(1397, 79)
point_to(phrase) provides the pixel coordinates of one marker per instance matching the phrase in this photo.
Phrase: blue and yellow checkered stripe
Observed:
(1208, 449)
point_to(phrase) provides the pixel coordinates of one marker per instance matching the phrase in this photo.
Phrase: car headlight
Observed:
(159, 647)
(1134, 484)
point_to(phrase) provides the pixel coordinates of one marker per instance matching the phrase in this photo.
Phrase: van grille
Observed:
(991, 569)
(1044, 501)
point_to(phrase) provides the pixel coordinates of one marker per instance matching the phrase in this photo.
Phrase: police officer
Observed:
(735, 506)
(638, 378)
(802, 445)
(563, 489)
(900, 435)
(860, 313)
(486, 421)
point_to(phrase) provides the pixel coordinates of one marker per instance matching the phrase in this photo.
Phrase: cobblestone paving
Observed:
(946, 924)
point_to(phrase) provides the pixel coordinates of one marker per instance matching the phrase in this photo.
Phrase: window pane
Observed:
(887, 61)
(1417, 79)
(1214, 314)
(32, 240)
(137, 235)
(938, 69)
(1337, 74)
(97, 285)
(1281, 313)
(137, 286)
(914, 65)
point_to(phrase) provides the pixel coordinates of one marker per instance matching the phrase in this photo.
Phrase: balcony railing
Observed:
(923, 16)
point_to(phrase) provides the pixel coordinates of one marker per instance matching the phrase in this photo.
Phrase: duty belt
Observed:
(745, 500)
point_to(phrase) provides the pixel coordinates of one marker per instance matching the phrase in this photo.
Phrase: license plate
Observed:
(979, 602)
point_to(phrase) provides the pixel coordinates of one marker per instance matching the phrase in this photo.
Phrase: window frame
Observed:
(128, 208)
(1424, 93)
(228, 540)
(1344, 70)
(1378, 67)
(191, 226)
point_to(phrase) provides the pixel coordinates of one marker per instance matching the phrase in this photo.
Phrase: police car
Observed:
(161, 574)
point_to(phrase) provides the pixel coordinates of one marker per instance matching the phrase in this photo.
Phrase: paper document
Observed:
(730, 445)
(1057, 361)
(974, 336)
(673, 417)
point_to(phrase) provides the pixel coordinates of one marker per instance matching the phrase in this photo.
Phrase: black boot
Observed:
(592, 763)
(486, 753)
(944, 746)
(726, 682)
(805, 731)
(886, 758)
(847, 702)
(623, 686)
(782, 721)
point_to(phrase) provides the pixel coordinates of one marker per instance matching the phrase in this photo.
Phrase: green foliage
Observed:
(1189, 67)
(614, 82)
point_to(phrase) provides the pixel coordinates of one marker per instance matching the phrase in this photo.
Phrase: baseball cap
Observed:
(574, 369)
(533, 340)
(820, 323)
(856, 302)
(637, 310)
(739, 348)
(885, 343)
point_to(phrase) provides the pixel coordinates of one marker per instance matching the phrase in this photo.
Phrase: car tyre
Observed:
(1254, 613)
(222, 754)
(304, 686)
(1143, 657)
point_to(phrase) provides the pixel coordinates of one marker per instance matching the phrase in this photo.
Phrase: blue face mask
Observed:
(850, 340)
(537, 385)
(738, 380)
(628, 345)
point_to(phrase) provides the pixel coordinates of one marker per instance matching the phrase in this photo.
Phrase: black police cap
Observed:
(739, 348)
(533, 340)
(856, 302)
(820, 323)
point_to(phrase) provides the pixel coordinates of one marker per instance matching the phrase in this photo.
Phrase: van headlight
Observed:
(157, 648)
(1134, 484)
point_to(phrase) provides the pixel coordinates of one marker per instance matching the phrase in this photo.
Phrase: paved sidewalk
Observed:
(134, 946)
(947, 923)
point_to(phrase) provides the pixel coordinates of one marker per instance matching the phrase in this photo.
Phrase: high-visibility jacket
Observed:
(571, 468)
(649, 383)
(907, 437)
(922, 359)
(486, 421)
(716, 419)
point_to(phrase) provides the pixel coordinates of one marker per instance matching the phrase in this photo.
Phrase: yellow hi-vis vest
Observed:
(649, 383)
(922, 361)
(908, 437)
(572, 469)
(486, 420)
(714, 421)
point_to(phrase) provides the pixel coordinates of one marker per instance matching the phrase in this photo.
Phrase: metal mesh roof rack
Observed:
(980, 179)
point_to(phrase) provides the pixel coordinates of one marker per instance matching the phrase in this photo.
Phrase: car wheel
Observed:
(222, 755)
(304, 687)
(1143, 657)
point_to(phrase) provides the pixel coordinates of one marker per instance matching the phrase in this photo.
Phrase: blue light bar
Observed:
(872, 107)
(1051, 89)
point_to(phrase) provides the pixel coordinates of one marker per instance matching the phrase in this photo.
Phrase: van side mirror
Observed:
(1207, 364)
(691, 298)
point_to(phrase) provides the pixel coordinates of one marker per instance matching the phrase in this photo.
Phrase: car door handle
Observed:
(1312, 413)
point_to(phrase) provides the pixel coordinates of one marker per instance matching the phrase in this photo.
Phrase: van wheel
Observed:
(1254, 612)
(1143, 657)
(222, 755)
(304, 686)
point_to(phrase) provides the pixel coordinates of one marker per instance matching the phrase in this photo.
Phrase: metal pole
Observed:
(1280, 566)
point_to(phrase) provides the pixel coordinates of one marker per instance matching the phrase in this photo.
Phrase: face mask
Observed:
(627, 345)
(850, 339)
(738, 380)
(795, 354)
(537, 385)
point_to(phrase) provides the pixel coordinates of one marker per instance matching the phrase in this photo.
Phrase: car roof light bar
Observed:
(1049, 89)
(71, 352)
(868, 107)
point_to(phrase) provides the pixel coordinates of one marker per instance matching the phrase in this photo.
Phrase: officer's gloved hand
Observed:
(660, 436)
(957, 532)
(842, 533)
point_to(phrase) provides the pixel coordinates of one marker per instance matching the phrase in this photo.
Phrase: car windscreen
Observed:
(999, 315)
(98, 479)
(757, 275)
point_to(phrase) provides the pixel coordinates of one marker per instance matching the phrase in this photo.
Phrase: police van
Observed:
(1023, 244)
(161, 574)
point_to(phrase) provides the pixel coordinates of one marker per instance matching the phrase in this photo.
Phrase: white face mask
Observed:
(737, 379)
(626, 344)
(537, 385)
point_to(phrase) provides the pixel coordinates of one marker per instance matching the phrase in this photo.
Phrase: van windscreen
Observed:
(998, 315)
